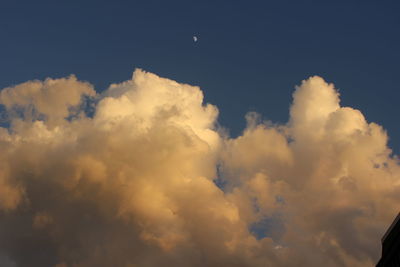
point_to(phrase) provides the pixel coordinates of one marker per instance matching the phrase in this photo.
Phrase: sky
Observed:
(269, 141)
(249, 56)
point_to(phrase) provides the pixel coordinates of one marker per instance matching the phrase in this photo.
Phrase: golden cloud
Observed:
(150, 180)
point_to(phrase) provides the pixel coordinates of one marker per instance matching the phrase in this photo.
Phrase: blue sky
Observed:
(249, 56)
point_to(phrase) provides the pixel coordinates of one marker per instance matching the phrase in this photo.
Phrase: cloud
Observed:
(50, 99)
(148, 179)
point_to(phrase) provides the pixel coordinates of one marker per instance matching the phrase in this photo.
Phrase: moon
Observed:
(195, 38)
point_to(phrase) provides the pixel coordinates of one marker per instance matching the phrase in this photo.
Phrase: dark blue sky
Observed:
(249, 56)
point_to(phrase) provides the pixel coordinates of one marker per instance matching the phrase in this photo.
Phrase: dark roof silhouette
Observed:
(391, 245)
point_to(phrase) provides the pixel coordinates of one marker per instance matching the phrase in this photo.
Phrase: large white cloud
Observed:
(136, 183)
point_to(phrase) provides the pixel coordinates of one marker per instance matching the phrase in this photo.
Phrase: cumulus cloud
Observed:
(148, 179)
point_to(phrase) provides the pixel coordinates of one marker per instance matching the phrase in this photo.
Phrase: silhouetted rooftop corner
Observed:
(391, 245)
